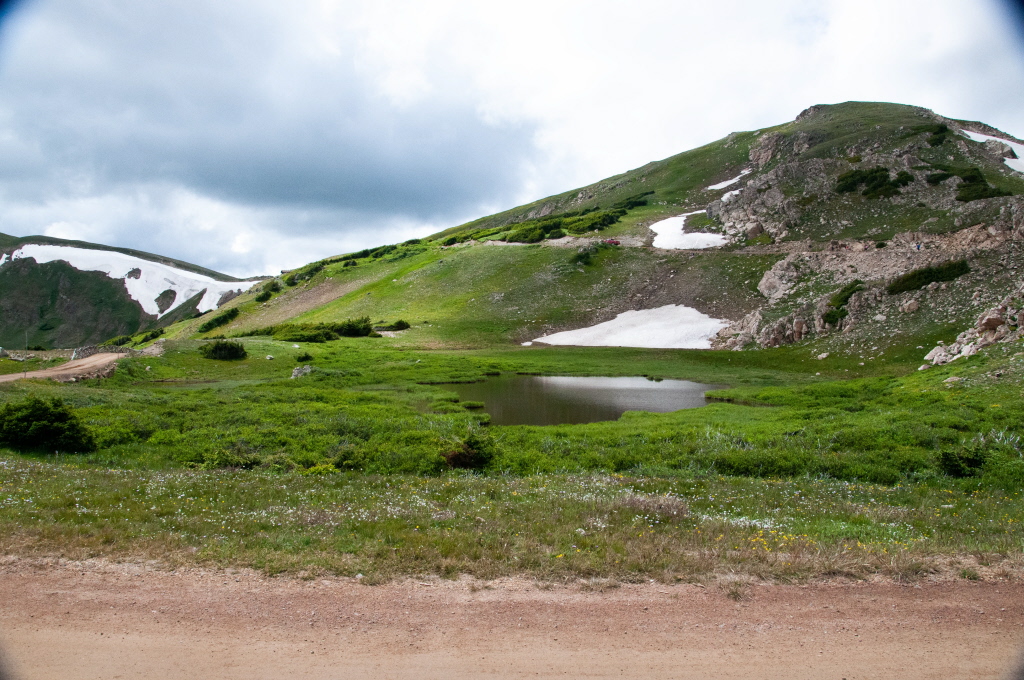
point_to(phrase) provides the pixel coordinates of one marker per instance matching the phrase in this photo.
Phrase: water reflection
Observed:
(551, 400)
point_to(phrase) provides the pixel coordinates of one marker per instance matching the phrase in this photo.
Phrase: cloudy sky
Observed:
(250, 136)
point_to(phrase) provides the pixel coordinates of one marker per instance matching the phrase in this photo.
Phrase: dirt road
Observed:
(72, 369)
(87, 621)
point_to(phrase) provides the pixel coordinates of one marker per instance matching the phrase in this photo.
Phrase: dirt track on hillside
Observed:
(76, 621)
(72, 369)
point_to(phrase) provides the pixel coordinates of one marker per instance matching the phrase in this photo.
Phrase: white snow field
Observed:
(728, 182)
(1012, 163)
(154, 278)
(669, 235)
(668, 327)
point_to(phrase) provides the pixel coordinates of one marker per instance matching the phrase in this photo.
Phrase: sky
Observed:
(253, 136)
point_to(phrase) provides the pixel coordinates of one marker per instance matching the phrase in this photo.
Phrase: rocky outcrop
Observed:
(998, 324)
(779, 280)
(739, 334)
(764, 150)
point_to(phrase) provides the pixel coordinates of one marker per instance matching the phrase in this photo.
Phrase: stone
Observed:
(991, 321)
(1000, 149)
(910, 306)
(823, 355)
(300, 371)
(270, 356)
(923, 367)
(880, 317)
(764, 149)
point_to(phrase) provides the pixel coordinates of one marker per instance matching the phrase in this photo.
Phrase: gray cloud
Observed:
(223, 99)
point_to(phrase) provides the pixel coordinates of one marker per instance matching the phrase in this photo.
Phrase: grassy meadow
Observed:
(792, 473)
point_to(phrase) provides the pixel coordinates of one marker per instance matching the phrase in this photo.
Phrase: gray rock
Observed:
(300, 371)
(999, 148)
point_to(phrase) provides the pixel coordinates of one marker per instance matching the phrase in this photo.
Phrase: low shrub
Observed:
(305, 356)
(222, 319)
(44, 425)
(264, 296)
(119, 341)
(475, 452)
(876, 182)
(973, 185)
(399, 325)
(919, 278)
(531, 234)
(319, 332)
(223, 350)
(152, 335)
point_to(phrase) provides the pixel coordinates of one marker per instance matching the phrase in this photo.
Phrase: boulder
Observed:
(910, 306)
(300, 371)
(764, 149)
(999, 148)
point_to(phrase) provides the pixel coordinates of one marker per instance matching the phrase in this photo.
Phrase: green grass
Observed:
(543, 526)
(795, 476)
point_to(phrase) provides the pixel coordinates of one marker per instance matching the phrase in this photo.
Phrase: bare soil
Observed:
(73, 369)
(96, 620)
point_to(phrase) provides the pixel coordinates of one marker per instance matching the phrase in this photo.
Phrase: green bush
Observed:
(119, 341)
(44, 425)
(919, 278)
(843, 296)
(876, 182)
(475, 452)
(264, 296)
(305, 356)
(531, 234)
(973, 186)
(399, 325)
(938, 177)
(223, 350)
(152, 335)
(319, 332)
(222, 319)
(965, 461)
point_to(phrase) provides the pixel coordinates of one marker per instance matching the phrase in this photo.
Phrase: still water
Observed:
(551, 400)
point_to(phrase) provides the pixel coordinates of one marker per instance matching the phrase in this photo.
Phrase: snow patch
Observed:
(669, 234)
(1012, 163)
(728, 182)
(154, 279)
(671, 326)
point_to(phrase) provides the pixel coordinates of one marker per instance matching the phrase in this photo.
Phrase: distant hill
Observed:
(58, 293)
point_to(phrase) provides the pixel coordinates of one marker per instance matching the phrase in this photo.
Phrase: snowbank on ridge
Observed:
(728, 182)
(671, 327)
(152, 278)
(1012, 163)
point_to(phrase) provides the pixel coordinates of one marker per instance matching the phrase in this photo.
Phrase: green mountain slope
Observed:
(829, 210)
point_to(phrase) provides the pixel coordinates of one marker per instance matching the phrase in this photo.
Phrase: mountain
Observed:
(857, 227)
(59, 293)
(799, 233)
